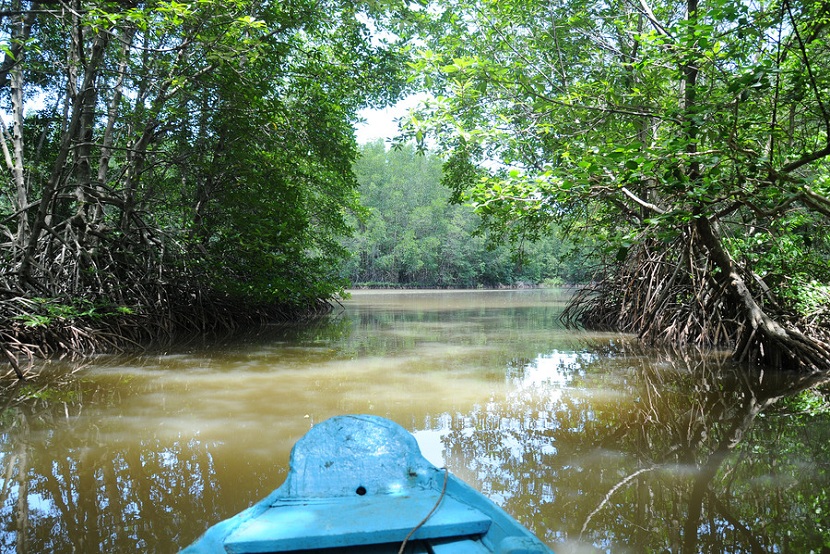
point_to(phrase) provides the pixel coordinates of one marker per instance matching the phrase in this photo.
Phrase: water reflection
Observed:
(592, 442)
(668, 455)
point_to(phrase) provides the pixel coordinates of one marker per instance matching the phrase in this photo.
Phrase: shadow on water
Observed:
(592, 442)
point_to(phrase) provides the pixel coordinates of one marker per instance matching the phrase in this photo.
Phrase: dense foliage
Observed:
(693, 136)
(410, 234)
(179, 160)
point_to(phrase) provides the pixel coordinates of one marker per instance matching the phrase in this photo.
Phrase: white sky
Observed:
(383, 123)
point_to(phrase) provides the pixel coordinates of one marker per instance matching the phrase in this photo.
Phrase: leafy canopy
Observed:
(636, 119)
(175, 149)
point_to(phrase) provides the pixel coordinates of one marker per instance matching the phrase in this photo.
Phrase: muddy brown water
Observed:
(592, 441)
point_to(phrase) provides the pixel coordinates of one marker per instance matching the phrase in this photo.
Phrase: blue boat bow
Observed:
(359, 483)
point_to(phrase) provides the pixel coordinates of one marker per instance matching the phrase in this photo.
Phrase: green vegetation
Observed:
(691, 137)
(411, 236)
(191, 166)
(186, 164)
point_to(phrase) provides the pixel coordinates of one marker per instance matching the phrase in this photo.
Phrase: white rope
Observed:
(432, 511)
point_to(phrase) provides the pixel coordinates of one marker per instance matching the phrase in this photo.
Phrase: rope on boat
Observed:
(429, 515)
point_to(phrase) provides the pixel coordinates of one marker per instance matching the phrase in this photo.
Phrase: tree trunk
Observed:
(761, 338)
(70, 139)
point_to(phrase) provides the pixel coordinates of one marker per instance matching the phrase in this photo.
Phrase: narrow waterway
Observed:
(594, 443)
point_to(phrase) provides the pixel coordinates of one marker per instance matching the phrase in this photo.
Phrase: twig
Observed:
(608, 496)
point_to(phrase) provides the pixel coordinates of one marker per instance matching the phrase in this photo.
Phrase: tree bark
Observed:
(761, 338)
(70, 139)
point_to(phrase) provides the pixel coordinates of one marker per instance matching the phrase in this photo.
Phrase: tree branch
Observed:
(641, 202)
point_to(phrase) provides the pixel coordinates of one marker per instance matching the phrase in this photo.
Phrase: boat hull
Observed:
(360, 484)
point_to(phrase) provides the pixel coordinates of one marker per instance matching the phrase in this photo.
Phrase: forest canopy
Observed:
(180, 161)
(690, 136)
(192, 165)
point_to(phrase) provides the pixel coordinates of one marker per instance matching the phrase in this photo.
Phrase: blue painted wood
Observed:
(355, 521)
(362, 481)
(458, 546)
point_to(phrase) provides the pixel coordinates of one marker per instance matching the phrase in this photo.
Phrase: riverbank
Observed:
(40, 328)
(518, 285)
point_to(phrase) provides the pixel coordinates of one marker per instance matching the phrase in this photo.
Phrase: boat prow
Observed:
(360, 484)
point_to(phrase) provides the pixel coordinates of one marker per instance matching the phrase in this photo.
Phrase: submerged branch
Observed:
(608, 496)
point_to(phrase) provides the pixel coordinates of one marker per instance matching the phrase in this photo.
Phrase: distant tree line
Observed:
(409, 234)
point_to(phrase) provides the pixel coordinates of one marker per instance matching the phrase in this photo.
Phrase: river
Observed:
(593, 442)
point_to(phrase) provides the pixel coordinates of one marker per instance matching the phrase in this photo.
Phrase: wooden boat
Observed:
(360, 484)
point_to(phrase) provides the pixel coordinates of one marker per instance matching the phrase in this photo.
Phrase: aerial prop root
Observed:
(675, 296)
